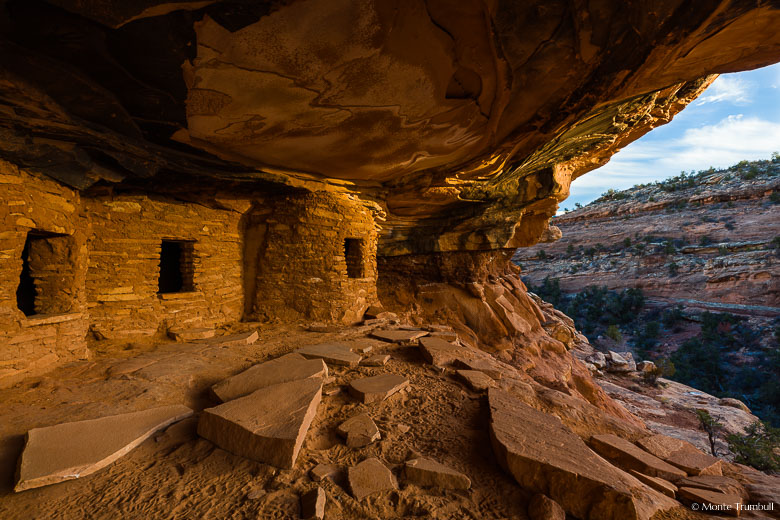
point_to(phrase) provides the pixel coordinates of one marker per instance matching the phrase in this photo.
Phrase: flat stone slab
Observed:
(359, 431)
(439, 352)
(313, 504)
(268, 425)
(544, 456)
(488, 366)
(369, 477)
(427, 472)
(659, 484)
(681, 454)
(377, 388)
(476, 380)
(235, 340)
(398, 336)
(71, 450)
(185, 335)
(290, 367)
(323, 471)
(377, 360)
(707, 501)
(628, 456)
(333, 353)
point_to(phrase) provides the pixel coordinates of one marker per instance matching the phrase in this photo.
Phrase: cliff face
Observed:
(465, 123)
(707, 241)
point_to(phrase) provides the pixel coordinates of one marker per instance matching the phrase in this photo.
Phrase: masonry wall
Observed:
(302, 267)
(56, 331)
(123, 278)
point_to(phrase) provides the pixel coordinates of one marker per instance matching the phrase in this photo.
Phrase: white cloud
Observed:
(733, 139)
(729, 88)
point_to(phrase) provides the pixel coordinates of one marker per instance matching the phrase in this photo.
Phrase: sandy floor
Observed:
(178, 475)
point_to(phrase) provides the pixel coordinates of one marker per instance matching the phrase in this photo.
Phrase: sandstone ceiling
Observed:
(461, 123)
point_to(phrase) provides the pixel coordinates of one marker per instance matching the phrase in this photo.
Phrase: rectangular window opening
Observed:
(176, 266)
(46, 273)
(355, 253)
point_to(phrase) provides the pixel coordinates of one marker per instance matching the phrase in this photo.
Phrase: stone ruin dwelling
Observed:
(177, 169)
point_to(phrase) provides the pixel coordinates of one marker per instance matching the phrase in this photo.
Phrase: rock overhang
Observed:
(464, 123)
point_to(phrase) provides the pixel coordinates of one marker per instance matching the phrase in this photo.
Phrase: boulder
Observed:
(657, 483)
(542, 507)
(623, 362)
(546, 457)
(377, 388)
(281, 370)
(628, 456)
(268, 425)
(369, 477)
(359, 431)
(476, 380)
(398, 336)
(313, 504)
(76, 449)
(645, 366)
(598, 359)
(426, 472)
(333, 353)
(734, 403)
(708, 501)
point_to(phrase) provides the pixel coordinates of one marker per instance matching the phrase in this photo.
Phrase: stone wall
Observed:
(43, 216)
(123, 280)
(303, 244)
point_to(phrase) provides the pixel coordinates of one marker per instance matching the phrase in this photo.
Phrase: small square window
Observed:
(176, 266)
(355, 254)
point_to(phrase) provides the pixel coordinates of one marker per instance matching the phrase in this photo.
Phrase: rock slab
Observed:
(681, 454)
(439, 352)
(323, 471)
(333, 353)
(659, 484)
(281, 370)
(398, 336)
(369, 477)
(628, 456)
(377, 360)
(476, 380)
(427, 472)
(313, 504)
(268, 425)
(546, 457)
(708, 501)
(359, 431)
(76, 449)
(377, 388)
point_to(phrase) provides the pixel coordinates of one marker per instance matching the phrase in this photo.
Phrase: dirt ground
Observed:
(176, 474)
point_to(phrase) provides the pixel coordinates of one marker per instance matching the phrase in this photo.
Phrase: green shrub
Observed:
(614, 332)
(541, 255)
(712, 427)
(674, 269)
(757, 447)
(663, 368)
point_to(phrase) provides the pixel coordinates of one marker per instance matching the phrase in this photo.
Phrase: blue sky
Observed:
(737, 118)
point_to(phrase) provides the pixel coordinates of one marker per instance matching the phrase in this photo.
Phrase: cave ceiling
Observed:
(460, 123)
